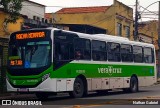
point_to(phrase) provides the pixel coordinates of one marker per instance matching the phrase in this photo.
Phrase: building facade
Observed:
(33, 10)
(32, 16)
(116, 19)
(6, 30)
(148, 32)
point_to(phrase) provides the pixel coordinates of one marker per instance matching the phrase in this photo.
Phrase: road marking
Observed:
(123, 101)
(153, 97)
(76, 106)
(149, 97)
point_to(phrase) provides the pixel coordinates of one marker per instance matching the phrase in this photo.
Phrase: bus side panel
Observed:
(126, 82)
(150, 81)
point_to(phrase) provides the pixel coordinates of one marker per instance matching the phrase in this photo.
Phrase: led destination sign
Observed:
(30, 35)
(16, 63)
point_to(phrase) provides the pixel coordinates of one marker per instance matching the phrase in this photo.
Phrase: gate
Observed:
(3, 63)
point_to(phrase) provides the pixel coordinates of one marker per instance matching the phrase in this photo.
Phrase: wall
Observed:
(10, 28)
(150, 29)
(106, 20)
(124, 15)
(32, 9)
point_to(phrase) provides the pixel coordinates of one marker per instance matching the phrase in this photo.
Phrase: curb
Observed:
(17, 96)
(5, 95)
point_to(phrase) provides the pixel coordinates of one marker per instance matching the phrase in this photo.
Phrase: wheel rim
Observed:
(77, 88)
(134, 86)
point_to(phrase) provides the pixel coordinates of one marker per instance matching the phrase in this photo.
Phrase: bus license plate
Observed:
(23, 89)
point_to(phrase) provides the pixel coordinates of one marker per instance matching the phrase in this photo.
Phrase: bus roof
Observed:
(109, 38)
(102, 37)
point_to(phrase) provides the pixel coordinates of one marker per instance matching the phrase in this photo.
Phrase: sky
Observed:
(54, 5)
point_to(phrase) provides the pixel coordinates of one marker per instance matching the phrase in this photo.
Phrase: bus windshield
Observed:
(30, 55)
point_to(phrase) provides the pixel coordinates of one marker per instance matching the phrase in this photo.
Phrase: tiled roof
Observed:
(84, 9)
(48, 15)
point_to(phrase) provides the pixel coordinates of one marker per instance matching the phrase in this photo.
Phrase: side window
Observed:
(62, 51)
(99, 52)
(113, 52)
(82, 49)
(148, 58)
(126, 53)
(153, 56)
(137, 53)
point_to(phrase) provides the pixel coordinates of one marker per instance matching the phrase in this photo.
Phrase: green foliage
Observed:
(12, 7)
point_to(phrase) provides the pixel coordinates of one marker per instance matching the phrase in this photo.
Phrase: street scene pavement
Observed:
(116, 97)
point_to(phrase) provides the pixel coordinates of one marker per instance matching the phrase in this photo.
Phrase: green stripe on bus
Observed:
(72, 70)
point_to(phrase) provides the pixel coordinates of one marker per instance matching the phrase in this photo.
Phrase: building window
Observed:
(119, 29)
(127, 29)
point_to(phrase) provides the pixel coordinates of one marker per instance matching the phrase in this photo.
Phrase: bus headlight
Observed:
(45, 76)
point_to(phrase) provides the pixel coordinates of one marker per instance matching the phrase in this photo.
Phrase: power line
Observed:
(148, 10)
(150, 17)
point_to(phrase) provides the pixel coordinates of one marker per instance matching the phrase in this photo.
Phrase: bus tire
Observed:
(78, 88)
(42, 96)
(133, 85)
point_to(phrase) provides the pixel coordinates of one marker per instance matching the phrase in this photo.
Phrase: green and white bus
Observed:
(49, 60)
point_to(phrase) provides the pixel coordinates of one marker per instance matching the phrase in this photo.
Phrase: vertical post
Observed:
(158, 72)
(152, 38)
(136, 22)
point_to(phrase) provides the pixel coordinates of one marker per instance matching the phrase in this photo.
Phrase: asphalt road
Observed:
(116, 98)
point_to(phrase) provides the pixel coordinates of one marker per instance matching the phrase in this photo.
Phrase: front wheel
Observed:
(78, 88)
(133, 85)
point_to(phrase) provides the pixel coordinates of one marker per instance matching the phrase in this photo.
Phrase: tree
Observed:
(12, 7)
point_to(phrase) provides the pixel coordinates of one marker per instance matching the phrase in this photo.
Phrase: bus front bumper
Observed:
(49, 85)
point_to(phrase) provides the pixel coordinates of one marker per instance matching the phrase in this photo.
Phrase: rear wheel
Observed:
(78, 88)
(133, 85)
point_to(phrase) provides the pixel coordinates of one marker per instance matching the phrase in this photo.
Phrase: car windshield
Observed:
(33, 54)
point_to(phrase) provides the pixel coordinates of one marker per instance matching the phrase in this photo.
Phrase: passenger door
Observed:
(63, 48)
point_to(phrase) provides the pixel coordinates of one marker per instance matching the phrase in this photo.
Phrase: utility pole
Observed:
(136, 22)
(158, 72)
